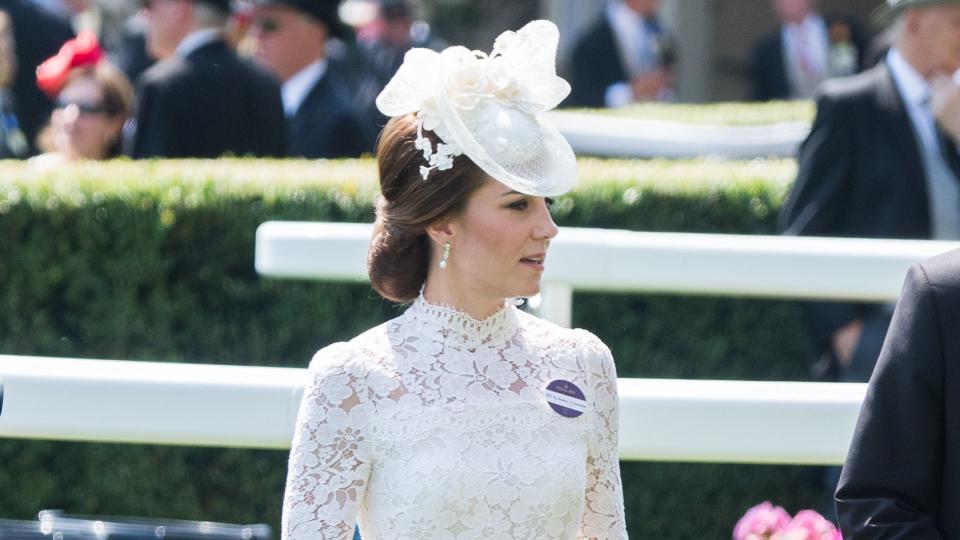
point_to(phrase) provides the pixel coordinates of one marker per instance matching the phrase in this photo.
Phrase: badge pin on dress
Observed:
(565, 398)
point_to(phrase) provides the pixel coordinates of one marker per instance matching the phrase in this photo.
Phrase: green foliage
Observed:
(154, 261)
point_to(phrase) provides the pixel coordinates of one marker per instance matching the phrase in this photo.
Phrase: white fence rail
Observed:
(664, 420)
(609, 135)
(256, 407)
(627, 261)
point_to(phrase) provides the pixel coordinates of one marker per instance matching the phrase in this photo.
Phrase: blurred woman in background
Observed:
(13, 143)
(92, 100)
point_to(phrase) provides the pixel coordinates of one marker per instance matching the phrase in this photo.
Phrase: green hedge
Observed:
(154, 261)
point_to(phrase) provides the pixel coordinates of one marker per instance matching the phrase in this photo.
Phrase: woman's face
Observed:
(500, 242)
(82, 128)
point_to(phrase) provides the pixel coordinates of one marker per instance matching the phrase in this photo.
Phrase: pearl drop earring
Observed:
(446, 255)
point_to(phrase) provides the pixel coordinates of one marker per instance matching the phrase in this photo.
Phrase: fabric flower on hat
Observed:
(81, 51)
(488, 107)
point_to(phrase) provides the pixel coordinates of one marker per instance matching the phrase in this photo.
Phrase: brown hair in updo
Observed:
(400, 251)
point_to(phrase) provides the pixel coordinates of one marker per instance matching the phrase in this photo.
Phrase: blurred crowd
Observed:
(195, 78)
(93, 79)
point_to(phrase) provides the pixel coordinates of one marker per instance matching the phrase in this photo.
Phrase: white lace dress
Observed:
(436, 425)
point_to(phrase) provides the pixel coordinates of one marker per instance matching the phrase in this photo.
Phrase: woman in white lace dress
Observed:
(464, 417)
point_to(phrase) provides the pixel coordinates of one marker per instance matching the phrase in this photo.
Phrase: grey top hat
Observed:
(888, 11)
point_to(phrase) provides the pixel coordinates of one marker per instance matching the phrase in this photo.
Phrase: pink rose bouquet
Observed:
(768, 522)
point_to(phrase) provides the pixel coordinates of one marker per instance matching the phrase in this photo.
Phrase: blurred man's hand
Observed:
(945, 105)
(649, 86)
(845, 342)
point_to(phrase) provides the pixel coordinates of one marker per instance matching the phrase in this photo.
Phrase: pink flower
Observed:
(808, 525)
(761, 522)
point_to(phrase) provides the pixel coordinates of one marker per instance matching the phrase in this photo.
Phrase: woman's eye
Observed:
(522, 204)
(549, 202)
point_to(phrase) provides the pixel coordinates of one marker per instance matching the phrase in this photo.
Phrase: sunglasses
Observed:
(149, 4)
(266, 25)
(84, 108)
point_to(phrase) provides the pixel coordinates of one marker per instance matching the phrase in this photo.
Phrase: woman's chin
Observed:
(532, 289)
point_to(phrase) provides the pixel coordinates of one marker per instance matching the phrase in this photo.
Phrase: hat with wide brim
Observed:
(887, 12)
(325, 11)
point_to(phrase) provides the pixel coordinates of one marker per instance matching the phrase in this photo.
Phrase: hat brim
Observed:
(884, 15)
(551, 173)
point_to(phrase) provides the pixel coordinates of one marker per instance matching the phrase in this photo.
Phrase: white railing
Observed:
(609, 135)
(708, 421)
(256, 407)
(627, 261)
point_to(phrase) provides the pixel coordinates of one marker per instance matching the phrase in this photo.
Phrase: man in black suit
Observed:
(625, 56)
(805, 50)
(902, 474)
(877, 165)
(38, 35)
(201, 100)
(291, 40)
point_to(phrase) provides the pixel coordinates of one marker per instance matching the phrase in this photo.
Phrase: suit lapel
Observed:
(895, 121)
(311, 130)
(949, 150)
(892, 101)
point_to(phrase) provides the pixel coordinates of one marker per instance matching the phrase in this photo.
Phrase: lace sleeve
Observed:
(603, 514)
(329, 458)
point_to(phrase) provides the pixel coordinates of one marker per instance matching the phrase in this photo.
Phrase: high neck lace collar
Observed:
(454, 327)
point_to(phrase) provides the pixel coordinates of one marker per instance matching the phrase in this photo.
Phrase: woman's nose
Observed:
(70, 113)
(545, 228)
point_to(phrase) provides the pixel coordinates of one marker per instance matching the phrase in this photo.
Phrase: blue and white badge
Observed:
(565, 398)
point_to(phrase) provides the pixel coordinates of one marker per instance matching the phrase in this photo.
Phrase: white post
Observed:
(556, 303)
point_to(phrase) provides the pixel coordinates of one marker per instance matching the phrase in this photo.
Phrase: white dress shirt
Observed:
(806, 43)
(294, 91)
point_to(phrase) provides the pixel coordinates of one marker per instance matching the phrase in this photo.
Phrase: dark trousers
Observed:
(861, 366)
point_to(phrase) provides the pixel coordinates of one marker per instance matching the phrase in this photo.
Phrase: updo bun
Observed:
(400, 251)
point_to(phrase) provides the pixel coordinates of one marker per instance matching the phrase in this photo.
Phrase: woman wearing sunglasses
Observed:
(464, 417)
(92, 101)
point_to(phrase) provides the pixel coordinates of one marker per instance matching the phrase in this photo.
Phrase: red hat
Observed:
(78, 52)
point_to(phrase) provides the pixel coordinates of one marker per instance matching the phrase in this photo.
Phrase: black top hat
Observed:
(324, 11)
(888, 11)
(223, 5)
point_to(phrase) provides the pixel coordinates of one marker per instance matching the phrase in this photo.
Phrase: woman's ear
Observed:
(441, 231)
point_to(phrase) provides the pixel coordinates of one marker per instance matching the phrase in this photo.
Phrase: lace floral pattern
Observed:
(435, 425)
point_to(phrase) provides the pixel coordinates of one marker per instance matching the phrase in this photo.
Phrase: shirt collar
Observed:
(620, 14)
(913, 87)
(295, 90)
(811, 22)
(196, 39)
(457, 330)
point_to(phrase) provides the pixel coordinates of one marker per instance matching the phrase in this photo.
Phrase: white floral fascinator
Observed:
(490, 107)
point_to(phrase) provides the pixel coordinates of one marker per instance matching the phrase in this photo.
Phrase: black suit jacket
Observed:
(205, 105)
(596, 65)
(860, 175)
(901, 479)
(38, 35)
(768, 68)
(326, 125)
